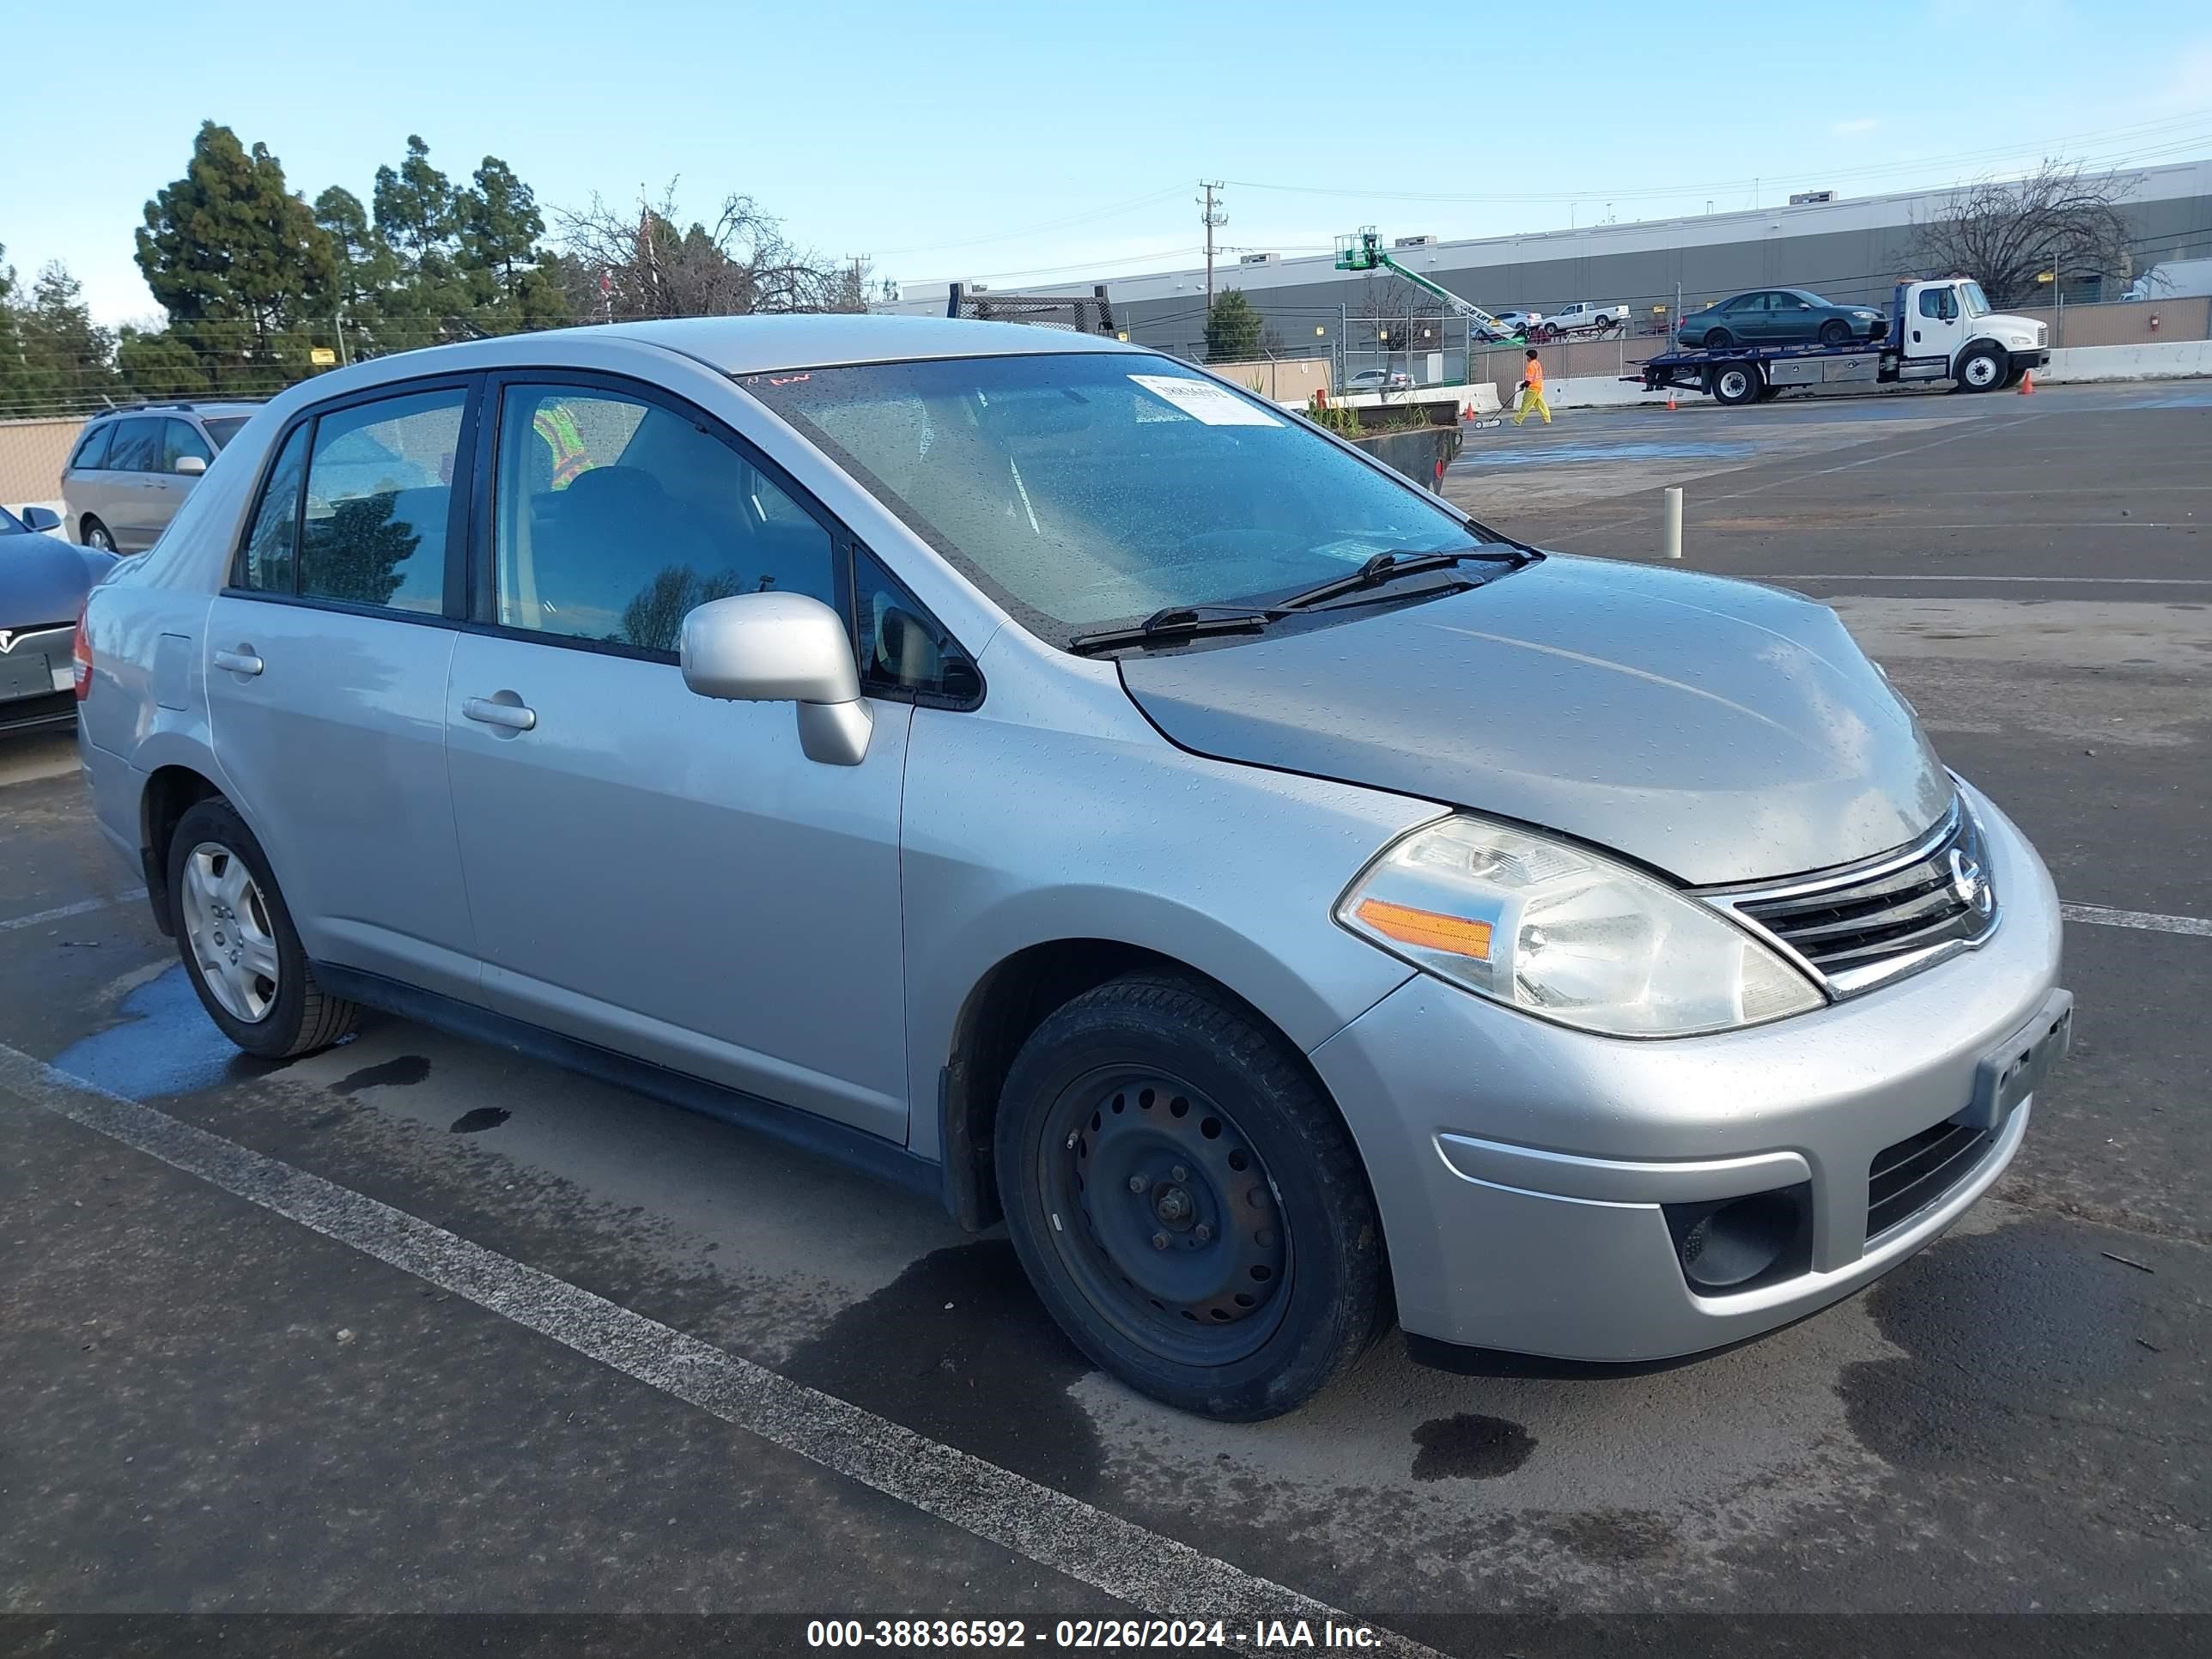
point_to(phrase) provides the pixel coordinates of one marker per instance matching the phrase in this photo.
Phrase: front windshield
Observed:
(1971, 300)
(1090, 490)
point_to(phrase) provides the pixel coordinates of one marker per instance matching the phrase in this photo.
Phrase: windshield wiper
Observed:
(1172, 626)
(1388, 568)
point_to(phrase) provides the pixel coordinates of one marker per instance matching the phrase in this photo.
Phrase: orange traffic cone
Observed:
(2027, 384)
(1670, 400)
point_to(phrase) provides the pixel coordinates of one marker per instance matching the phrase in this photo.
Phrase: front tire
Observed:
(1835, 332)
(1981, 369)
(1190, 1206)
(238, 942)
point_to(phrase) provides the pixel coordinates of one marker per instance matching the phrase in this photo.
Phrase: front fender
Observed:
(1230, 870)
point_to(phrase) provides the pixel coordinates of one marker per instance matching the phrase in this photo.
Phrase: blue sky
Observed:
(1032, 142)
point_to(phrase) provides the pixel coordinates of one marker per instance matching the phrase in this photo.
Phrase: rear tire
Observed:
(1718, 339)
(238, 942)
(1188, 1205)
(96, 535)
(1981, 369)
(1736, 384)
(1835, 332)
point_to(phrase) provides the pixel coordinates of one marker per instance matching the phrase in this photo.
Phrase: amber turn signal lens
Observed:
(1429, 929)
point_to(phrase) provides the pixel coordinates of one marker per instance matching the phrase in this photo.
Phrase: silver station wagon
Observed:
(1049, 777)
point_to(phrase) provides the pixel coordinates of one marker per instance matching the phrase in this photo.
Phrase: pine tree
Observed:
(14, 374)
(500, 259)
(66, 357)
(239, 263)
(417, 217)
(1232, 328)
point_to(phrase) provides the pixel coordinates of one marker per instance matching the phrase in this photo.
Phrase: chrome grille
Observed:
(1862, 926)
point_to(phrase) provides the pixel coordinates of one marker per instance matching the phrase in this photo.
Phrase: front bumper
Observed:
(1521, 1167)
(2019, 363)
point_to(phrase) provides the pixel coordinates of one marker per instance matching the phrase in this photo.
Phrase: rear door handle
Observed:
(238, 662)
(512, 716)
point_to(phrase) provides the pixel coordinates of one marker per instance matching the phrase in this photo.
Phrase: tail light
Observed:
(80, 660)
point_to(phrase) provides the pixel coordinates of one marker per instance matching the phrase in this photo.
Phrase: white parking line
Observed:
(62, 912)
(2150, 920)
(1160, 1576)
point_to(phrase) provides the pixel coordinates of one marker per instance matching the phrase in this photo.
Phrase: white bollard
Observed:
(1673, 548)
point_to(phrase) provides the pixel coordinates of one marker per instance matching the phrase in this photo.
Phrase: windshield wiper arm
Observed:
(1172, 626)
(1388, 568)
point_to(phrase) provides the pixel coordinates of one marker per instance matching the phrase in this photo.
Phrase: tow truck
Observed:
(1936, 330)
(1365, 251)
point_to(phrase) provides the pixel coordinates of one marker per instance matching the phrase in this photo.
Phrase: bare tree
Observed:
(2005, 233)
(626, 264)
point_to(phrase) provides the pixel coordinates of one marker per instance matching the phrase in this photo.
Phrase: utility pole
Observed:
(1213, 218)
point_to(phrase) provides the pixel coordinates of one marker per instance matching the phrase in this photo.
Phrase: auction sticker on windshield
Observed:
(1204, 401)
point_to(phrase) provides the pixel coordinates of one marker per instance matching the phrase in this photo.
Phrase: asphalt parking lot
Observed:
(416, 1326)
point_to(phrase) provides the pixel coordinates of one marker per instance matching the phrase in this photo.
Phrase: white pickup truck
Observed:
(1583, 316)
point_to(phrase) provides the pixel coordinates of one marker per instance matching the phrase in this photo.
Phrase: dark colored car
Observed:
(43, 582)
(1780, 316)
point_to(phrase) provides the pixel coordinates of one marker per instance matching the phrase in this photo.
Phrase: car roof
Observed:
(746, 345)
(224, 407)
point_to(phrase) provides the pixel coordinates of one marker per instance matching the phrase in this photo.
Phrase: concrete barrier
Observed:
(2169, 360)
(1421, 453)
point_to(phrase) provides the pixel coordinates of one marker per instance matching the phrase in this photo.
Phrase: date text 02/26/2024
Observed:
(1088, 1635)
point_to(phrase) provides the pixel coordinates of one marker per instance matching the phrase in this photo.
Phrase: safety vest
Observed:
(557, 428)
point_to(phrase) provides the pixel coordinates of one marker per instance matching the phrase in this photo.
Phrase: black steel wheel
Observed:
(1835, 332)
(1179, 1241)
(1190, 1206)
(1718, 339)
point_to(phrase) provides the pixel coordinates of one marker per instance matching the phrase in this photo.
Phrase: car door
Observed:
(327, 656)
(1935, 326)
(1793, 320)
(138, 493)
(649, 870)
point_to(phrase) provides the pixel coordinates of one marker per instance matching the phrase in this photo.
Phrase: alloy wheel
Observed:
(227, 928)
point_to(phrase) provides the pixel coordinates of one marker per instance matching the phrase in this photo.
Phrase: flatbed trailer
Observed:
(1935, 332)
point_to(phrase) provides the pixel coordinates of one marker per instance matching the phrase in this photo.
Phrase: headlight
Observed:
(1559, 931)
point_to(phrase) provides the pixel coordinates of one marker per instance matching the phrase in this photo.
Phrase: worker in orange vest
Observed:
(1532, 393)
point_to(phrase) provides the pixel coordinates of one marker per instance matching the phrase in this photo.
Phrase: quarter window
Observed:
(378, 497)
(91, 451)
(267, 565)
(903, 650)
(615, 518)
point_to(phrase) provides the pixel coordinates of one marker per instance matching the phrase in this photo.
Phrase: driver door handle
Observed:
(238, 662)
(512, 716)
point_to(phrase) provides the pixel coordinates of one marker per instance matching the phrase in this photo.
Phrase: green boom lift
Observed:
(1365, 251)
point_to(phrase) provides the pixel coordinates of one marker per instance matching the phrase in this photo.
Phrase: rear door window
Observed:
(380, 499)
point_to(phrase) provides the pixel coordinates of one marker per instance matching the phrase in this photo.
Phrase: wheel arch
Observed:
(1012, 999)
(171, 791)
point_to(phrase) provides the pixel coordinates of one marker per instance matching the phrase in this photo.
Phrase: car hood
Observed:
(1720, 730)
(44, 580)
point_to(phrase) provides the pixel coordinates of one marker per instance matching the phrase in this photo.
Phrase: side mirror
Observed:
(782, 647)
(189, 467)
(42, 519)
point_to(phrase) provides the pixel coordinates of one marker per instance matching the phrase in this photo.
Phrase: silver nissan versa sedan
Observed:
(1044, 774)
